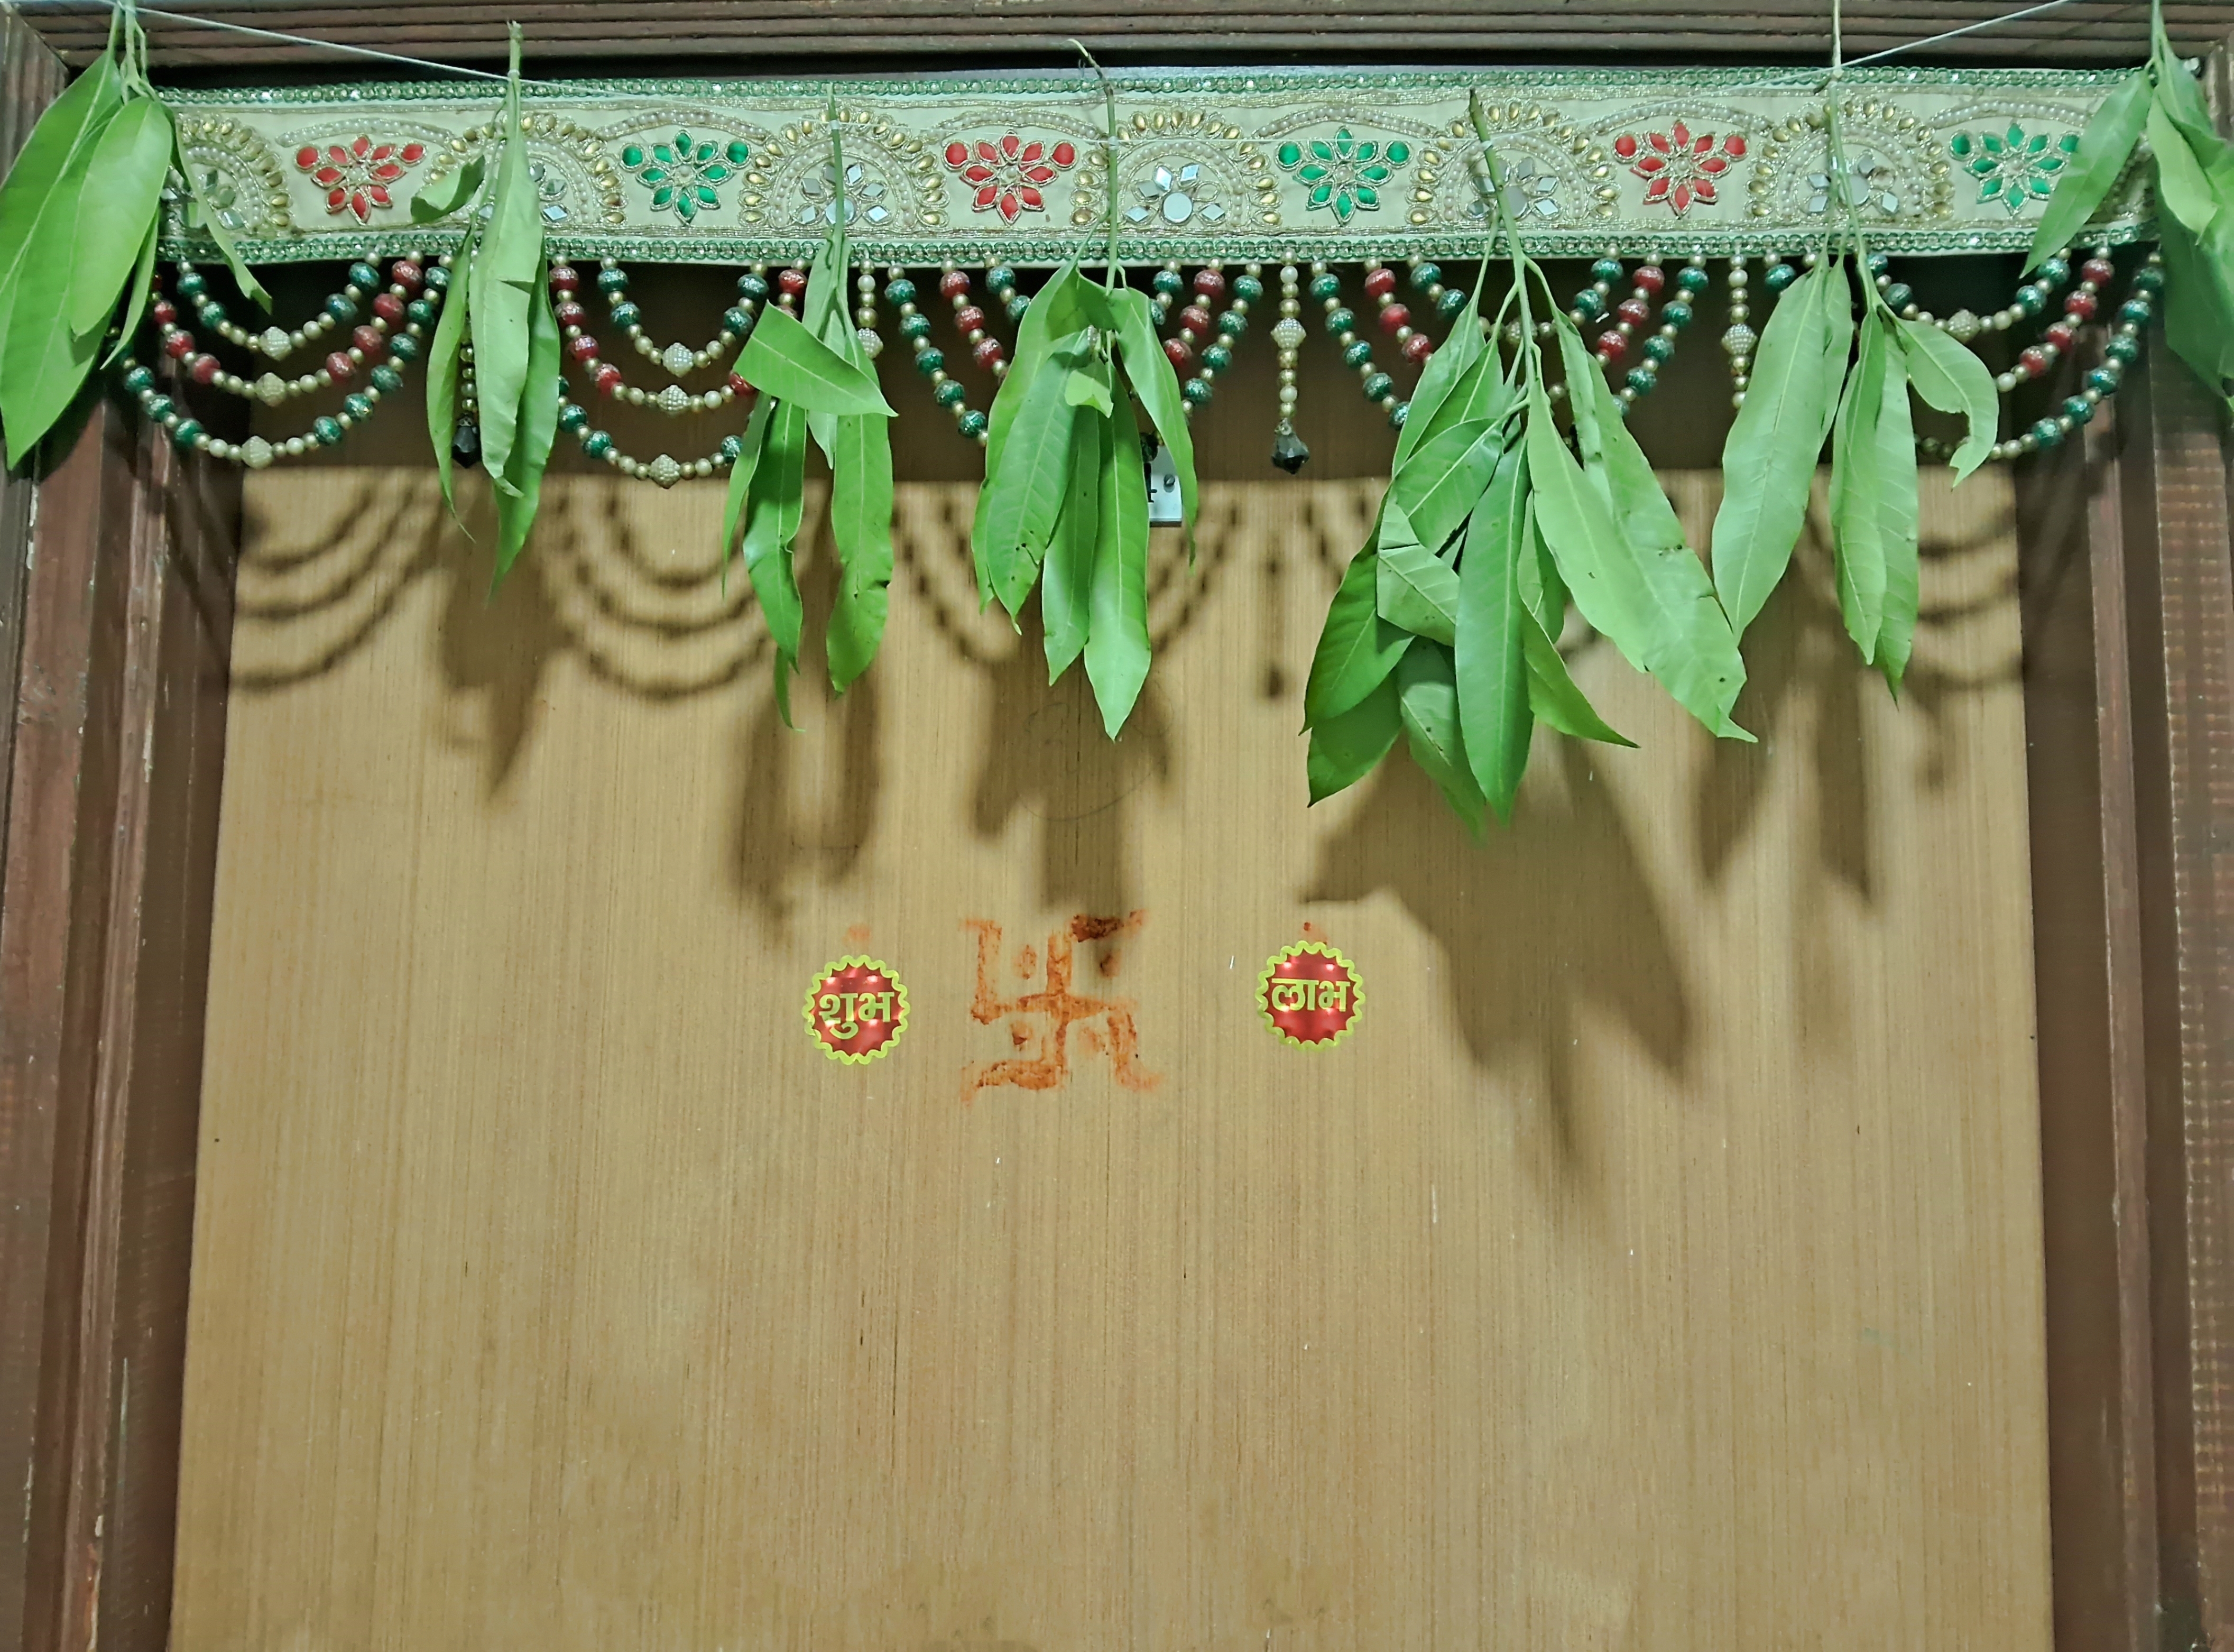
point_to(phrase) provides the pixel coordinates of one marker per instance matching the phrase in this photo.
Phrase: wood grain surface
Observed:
(915, 34)
(1658, 1265)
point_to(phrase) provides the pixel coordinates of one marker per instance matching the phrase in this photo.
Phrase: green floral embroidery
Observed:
(682, 175)
(2013, 168)
(1345, 175)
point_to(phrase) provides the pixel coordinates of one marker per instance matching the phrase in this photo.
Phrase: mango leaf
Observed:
(2180, 97)
(1148, 371)
(2182, 188)
(1445, 477)
(1552, 695)
(861, 529)
(136, 302)
(1950, 378)
(438, 200)
(790, 363)
(1856, 532)
(1427, 699)
(133, 153)
(1356, 647)
(517, 502)
(1054, 314)
(503, 290)
(1458, 357)
(741, 474)
(825, 316)
(1490, 652)
(1897, 513)
(1652, 599)
(442, 370)
(1022, 496)
(1768, 461)
(1344, 750)
(771, 525)
(2199, 299)
(2086, 179)
(1584, 380)
(44, 360)
(1086, 387)
(72, 123)
(1413, 586)
(1542, 591)
(211, 222)
(1482, 392)
(1066, 577)
(1117, 636)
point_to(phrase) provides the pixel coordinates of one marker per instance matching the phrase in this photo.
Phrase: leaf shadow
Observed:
(1544, 926)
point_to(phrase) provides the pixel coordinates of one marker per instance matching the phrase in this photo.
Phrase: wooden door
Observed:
(1656, 1265)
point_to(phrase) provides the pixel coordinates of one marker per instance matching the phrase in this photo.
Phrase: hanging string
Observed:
(1795, 81)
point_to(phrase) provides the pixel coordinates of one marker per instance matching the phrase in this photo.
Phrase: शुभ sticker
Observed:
(1309, 994)
(856, 1011)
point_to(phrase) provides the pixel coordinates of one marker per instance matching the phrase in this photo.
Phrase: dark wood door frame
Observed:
(116, 618)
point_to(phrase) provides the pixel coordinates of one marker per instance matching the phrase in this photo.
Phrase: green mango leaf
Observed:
(44, 361)
(1856, 528)
(136, 302)
(1148, 371)
(1445, 476)
(1086, 388)
(1651, 598)
(1056, 313)
(69, 127)
(1482, 393)
(2182, 188)
(1896, 512)
(1542, 591)
(1490, 650)
(790, 363)
(1117, 636)
(1584, 380)
(1457, 359)
(2198, 299)
(133, 153)
(825, 316)
(1768, 461)
(211, 222)
(1067, 577)
(1950, 378)
(504, 288)
(443, 370)
(779, 488)
(1552, 695)
(1345, 748)
(741, 474)
(1427, 700)
(861, 528)
(440, 201)
(1022, 496)
(1413, 586)
(1689, 645)
(2088, 178)
(2179, 96)
(517, 501)
(1356, 647)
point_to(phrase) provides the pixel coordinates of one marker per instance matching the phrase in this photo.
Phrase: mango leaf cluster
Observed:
(2194, 176)
(1065, 503)
(1446, 627)
(1817, 377)
(80, 214)
(499, 303)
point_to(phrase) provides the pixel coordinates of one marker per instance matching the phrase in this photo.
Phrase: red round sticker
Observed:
(856, 1011)
(1309, 994)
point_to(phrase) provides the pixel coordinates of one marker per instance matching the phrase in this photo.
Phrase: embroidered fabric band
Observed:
(1231, 164)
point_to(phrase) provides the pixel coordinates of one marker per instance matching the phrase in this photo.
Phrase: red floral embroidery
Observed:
(355, 175)
(1678, 168)
(1008, 175)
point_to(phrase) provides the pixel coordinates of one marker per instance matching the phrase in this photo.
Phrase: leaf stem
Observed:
(1108, 163)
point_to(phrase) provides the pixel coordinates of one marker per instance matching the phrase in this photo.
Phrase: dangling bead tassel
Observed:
(1288, 450)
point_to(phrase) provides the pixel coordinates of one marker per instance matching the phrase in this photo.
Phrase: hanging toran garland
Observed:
(1516, 490)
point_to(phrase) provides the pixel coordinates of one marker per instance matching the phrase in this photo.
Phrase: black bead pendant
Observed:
(466, 444)
(1289, 452)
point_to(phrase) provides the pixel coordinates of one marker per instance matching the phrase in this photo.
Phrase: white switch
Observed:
(1163, 501)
